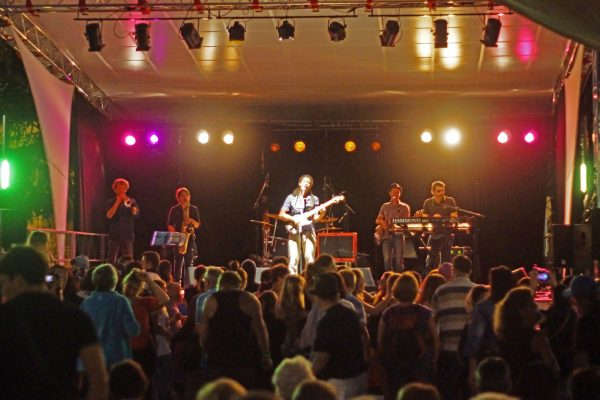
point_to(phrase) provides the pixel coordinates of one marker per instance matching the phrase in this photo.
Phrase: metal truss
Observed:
(59, 64)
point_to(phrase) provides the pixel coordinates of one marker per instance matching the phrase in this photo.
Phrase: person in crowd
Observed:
(127, 381)
(150, 261)
(198, 287)
(449, 311)
(278, 274)
(338, 347)
(428, 288)
(519, 343)
(392, 242)
(445, 269)
(165, 328)
(176, 306)
(249, 266)
(291, 310)
(481, 339)
(39, 241)
(493, 375)
(289, 374)
(211, 279)
(418, 391)
(231, 326)
(538, 381)
(585, 384)
(315, 389)
(122, 263)
(359, 290)
(37, 357)
(244, 277)
(349, 282)
(142, 345)
(584, 291)
(404, 350)
(165, 268)
(112, 315)
(64, 284)
(121, 212)
(275, 327)
(221, 389)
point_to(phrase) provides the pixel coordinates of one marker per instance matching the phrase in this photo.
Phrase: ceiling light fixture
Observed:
(388, 36)
(286, 30)
(440, 33)
(142, 37)
(93, 34)
(237, 32)
(491, 32)
(337, 31)
(190, 35)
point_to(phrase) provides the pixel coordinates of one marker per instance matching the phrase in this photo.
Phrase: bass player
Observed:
(392, 242)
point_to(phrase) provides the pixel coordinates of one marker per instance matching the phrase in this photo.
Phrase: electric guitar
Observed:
(304, 219)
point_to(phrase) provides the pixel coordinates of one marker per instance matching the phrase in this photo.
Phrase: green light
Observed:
(583, 177)
(4, 175)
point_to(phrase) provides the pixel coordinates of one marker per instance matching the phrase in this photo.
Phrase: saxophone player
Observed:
(184, 218)
(121, 213)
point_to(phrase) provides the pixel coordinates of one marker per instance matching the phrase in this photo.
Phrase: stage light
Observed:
(440, 33)
(153, 138)
(452, 137)
(4, 175)
(93, 34)
(337, 31)
(237, 32)
(503, 137)
(375, 146)
(299, 146)
(583, 177)
(190, 35)
(286, 30)
(388, 36)
(491, 32)
(529, 137)
(426, 137)
(142, 37)
(274, 147)
(350, 146)
(203, 136)
(227, 137)
(130, 140)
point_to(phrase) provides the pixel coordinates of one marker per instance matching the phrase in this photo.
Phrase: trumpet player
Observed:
(121, 213)
(184, 218)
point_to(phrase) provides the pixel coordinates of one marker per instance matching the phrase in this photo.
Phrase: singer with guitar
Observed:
(440, 241)
(392, 242)
(300, 209)
(121, 213)
(184, 218)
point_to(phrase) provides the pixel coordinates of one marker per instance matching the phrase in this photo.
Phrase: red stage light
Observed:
(503, 137)
(529, 137)
(130, 140)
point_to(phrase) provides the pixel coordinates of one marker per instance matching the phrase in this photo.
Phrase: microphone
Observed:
(325, 185)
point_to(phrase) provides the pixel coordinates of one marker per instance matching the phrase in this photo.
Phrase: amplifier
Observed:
(342, 246)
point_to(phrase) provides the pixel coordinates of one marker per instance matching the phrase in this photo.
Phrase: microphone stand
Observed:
(263, 188)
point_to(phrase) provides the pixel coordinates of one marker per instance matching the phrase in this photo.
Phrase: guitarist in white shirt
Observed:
(302, 238)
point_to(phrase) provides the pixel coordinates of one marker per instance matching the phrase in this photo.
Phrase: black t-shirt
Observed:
(121, 225)
(339, 334)
(586, 340)
(40, 340)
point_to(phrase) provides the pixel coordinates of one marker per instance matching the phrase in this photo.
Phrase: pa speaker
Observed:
(562, 245)
(342, 246)
(582, 249)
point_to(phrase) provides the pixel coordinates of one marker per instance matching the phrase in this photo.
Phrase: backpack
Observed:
(403, 344)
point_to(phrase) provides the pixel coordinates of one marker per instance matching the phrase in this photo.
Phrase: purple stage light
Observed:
(153, 138)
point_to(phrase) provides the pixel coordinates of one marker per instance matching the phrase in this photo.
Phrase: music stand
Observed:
(168, 239)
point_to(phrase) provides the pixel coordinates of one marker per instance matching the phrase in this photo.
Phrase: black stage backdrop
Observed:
(507, 183)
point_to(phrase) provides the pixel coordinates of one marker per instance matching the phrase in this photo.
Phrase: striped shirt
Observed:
(448, 306)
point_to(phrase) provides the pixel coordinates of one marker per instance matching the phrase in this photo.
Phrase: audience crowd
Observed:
(128, 331)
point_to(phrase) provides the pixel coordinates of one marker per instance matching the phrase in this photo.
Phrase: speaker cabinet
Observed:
(582, 249)
(562, 245)
(342, 246)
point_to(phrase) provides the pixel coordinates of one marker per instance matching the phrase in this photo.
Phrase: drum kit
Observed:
(271, 242)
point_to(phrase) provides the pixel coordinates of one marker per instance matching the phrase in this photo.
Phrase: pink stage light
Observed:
(529, 137)
(130, 140)
(153, 138)
(503, 137)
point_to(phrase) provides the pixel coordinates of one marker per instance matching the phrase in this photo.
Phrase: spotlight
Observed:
(130, 140)
(452, 137)
(4, 174)
(190, 34)
(237, 33)
(142, 37)
(440, 33)
(93, 34)
(153, 138)
(503, 137)
(529, 137)
(375, 146)
(337, 31)
(274, 147)
(388, 36)
(426, 137)
(350, 146)
(286, 30)
(491, 32)
(299, 146)
(202, 136)
(227, 137)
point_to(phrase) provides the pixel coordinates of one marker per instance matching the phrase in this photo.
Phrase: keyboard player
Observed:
(440, 241)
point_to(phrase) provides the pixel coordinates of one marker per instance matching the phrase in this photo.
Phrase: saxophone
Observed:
(187, 229)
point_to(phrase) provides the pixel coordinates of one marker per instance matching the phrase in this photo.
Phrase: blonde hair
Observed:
(289, 374)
